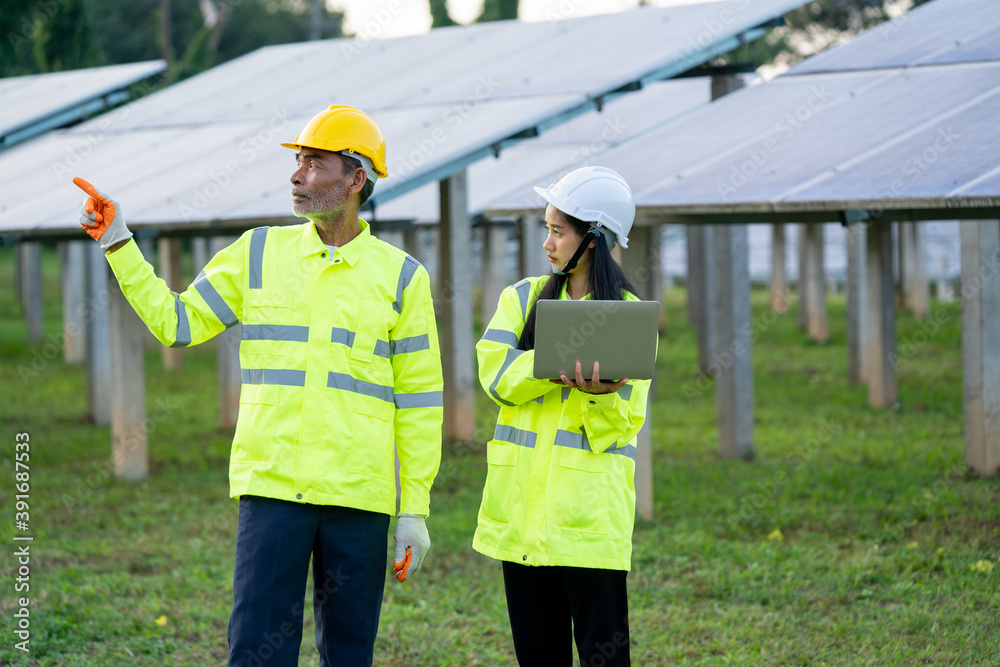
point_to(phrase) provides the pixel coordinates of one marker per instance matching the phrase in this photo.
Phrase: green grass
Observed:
(880, 522)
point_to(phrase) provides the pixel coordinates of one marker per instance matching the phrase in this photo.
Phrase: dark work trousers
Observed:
(274, 541)
(541, 602)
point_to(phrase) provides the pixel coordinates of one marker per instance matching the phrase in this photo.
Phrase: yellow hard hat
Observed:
(343, 128)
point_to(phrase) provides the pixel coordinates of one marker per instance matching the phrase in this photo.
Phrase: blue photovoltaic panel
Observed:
(63, 97)
(938, 32)
(577, 142)
(923, 136)
(204, 152)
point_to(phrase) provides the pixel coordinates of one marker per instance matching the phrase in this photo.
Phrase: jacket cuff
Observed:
(413, 502)
(125, 259)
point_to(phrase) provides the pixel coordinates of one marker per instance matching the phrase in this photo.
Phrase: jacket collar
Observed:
(351, 252)
(564, 293)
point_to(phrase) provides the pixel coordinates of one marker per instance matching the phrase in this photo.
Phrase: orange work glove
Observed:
(412, 543)
(101, 217)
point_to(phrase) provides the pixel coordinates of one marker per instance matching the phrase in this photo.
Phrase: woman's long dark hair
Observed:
(607, 280)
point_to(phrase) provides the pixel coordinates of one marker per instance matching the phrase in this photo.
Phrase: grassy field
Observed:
(855, 538)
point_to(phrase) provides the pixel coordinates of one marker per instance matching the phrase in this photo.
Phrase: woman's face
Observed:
(562, 240)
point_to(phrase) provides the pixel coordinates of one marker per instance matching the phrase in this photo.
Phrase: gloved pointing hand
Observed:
(102, 217)
(412, 543)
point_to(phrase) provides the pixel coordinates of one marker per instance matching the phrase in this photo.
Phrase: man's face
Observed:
(320, 187)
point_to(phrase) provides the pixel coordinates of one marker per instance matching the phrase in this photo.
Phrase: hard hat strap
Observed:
(571, 264)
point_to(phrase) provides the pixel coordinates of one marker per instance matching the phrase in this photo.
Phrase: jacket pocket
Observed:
(372, 442)
(501, 478)
(577, 491)
(264, 308)
(370, 327)
(269, 298)
(253, 441)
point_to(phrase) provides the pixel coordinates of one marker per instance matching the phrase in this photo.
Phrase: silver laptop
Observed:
(621, 335)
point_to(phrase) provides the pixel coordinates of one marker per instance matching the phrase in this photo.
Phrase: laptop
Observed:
(621, 335)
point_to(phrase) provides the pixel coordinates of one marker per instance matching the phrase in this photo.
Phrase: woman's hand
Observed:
(594, 385)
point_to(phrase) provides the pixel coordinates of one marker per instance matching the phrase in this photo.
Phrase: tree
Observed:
(191, 35)
(440, 18)
(815, 27)
(43, 37)
(498, 10)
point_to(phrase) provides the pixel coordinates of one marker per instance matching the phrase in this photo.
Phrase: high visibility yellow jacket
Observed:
(561, 465)
(340, 357)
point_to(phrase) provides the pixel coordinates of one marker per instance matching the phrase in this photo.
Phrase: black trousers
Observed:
(550, 606)
(274, 542)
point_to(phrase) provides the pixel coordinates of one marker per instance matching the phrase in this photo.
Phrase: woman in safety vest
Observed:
(559, 501)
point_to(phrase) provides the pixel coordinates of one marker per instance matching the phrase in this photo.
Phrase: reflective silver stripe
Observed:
(501, 336)
(512, 354)
(523, 292)
(628, 451)
(410, 344)
(573, 440)
(348, 383)
(342, 336)
(290, 332)
(540, 400)
(183, 335)
(423, 399)
(515, 436)
(281, 376)
(625, 392)
(214, 301)
(410, 267)
(346, 337)
(256, 257)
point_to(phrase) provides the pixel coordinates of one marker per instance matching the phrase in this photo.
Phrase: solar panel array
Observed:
(902, 119)
(204, 153)
(39, 102)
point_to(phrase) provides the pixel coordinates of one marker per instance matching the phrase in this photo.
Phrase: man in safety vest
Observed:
(341, 368)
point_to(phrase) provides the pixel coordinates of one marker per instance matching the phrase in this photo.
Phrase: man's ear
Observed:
(360, 178)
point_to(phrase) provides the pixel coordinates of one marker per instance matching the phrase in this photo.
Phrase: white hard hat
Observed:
(598, 195)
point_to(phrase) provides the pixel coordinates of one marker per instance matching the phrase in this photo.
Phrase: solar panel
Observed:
(444, 100)
(939, 32)
(39, 102)
(923, 136)
(575, 142)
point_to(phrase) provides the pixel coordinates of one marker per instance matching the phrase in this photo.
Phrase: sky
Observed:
(373, 19)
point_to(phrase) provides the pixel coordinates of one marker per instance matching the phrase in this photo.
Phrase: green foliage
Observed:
(498, 10)
(856, 537)
(70, 34)
(440, 18)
